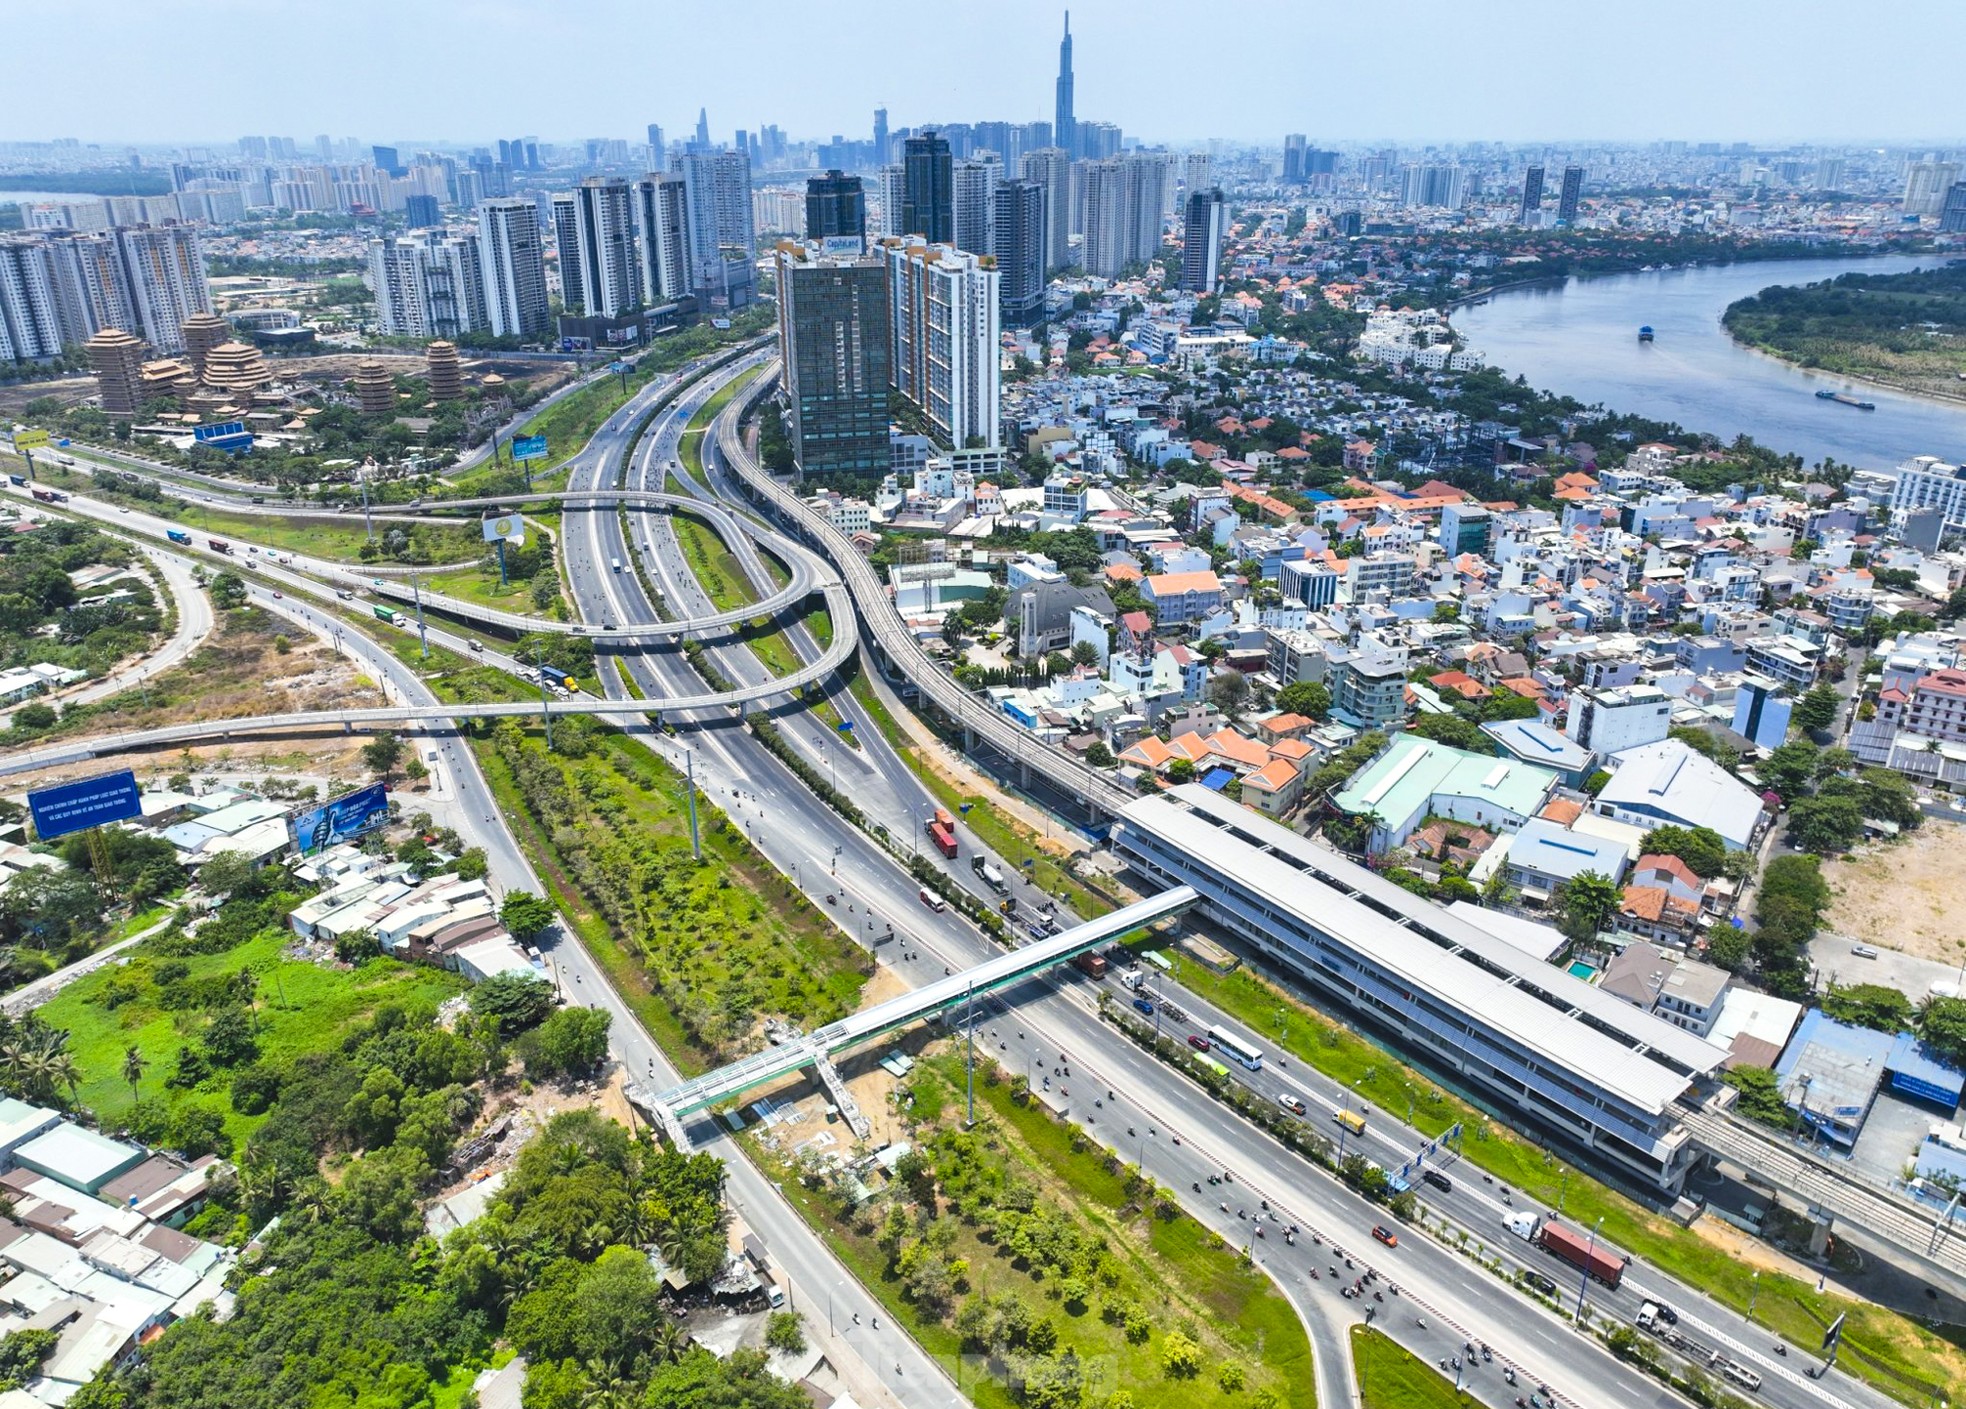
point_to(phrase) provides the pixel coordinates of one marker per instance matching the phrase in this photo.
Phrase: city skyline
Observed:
(1756, 71)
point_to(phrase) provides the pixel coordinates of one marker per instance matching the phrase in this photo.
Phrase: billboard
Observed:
(508, 527)
(221, 431)
(85, 803)
(25, 439)
(841, 244)
(344, 819)
(528, 447)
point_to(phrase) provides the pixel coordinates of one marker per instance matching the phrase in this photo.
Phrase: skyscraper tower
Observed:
(928, 191)
(1052, 169)
(1205, 222)
(1293, 159)
(1566, 202)
(833, 328)
(661, 204)
(880, 136)
(607, 278)
(836, 207)
(1018, 241)
(511, 259)
(1532, 194)
(1064, 130)
(703, 129)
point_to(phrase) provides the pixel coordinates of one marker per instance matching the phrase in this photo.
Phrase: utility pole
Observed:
(422, 636)
(695, 841)
(367, 522)
(969, 1070)
(545, 701)
(1584, 1282)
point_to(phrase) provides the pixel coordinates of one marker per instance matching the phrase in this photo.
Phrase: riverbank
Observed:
(1578, 338)
(1858, 380)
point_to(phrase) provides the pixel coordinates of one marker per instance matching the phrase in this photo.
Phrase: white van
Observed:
(476, 645)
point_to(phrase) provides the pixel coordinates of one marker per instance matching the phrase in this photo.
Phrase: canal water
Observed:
(1580, 338)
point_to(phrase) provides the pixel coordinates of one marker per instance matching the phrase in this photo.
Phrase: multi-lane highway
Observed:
(1176, 1130)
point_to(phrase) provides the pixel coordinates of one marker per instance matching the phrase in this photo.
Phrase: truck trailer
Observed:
(1582, 1253)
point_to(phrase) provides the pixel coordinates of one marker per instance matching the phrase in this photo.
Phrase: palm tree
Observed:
(607, 1387)
(134, 1066)
(62, 1070)
(667, 1341)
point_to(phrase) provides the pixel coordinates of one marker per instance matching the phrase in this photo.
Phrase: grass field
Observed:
(1178, 1272)
(338, 540)
(1787, 1305)
(301, 1007)
(1391, 1377)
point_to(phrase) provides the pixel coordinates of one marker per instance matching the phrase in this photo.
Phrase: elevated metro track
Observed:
(889, 635)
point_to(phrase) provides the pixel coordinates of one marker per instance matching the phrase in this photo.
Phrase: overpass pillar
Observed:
(1820, 1220)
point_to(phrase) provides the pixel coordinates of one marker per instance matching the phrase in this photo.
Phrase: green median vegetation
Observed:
(1042, 1271)
(1392, 1377)
(1893, 1352)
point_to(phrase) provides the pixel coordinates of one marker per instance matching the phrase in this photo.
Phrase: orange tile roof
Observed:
(1562, 810)
(1272, 777)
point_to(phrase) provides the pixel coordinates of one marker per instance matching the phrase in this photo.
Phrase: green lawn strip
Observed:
(1788, 1305)
(690, 446)
(1176, 1270)
(302, 1007)
(338, 540)
(736, 942)
(480, 585)
(1392, 1377)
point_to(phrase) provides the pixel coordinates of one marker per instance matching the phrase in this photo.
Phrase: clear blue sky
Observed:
(1173, 70)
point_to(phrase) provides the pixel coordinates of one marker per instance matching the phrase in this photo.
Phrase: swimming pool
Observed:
(1583, 971)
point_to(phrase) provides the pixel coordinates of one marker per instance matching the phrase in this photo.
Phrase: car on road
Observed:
(1144, 1006)
(1862, 951)
(1385, 1235)
(1198, 1042)
(1540, 1283)
(1291, 1104)
(1438, 1180)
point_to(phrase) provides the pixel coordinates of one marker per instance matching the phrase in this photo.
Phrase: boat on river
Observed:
(1843, 398)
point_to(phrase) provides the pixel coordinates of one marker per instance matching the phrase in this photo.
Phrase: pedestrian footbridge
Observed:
(947, 994)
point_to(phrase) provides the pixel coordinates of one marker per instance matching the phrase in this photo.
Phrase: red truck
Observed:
(1090, 964)
(1577, 1250)
(942, 831)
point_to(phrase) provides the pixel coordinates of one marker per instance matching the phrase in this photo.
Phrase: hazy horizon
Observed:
(1511, 71)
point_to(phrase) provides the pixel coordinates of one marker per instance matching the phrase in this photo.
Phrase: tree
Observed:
(134, 1066)
(1454, 731)
(382, 754)
(1306, 697)
(1825, 824)
(1761, 1096)
(1701, 848)
(1789, 769)
(21, 1354)
(1228, 691)
(1871, 1005)
(569, 1042)
(525, 914)
(1816, 711)
(1587, 901)
(1942, 1023)
(1099, 755)
(1182, 770)
(513, 1002)
(616, 1302)
(1180, 1357)
(379, 1193)
(785, 1331)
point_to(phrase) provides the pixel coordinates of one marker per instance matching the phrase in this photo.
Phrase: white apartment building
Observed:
(511, 257)
(944, 324)
(1611, 720)
(1927, 482)
(428, 288)
(662, 232)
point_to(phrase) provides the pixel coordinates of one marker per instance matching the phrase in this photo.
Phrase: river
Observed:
(1580, 339)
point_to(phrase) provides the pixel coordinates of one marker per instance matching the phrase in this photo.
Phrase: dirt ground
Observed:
(1905, 896)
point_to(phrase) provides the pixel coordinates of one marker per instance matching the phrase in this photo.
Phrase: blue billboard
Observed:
(342, 820)
(85, 803)
(529, 447)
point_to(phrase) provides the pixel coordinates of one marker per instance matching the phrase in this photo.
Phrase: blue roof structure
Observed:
(1218, 778)
(1916, 1072)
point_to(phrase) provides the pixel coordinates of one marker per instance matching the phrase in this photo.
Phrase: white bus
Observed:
(1236, 1050)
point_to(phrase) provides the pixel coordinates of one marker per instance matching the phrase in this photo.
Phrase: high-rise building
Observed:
(1197, 172)
(1293, 159)
(1532, 194)
(928, 195)
(1124, 198)
(974, 204)
(655, 146)
(880, 137)
(117, 356)
(1098, 141)
(722, 230)
(1064, 127)
(41, 312)
(428, 287)
(421, 212)
(833, 333)
(165, 266)
(387, 160)
(202, 333)
(836, 208)
(662, 236)
(1926, 185)
(606, 279)
(1566, 201)
(1051, 168)
(511, 254)
(1440, 185)
(703, 129)
(1205, 223)
(894, 195)
(1952, 214)
(1018, 242)
(943, 327)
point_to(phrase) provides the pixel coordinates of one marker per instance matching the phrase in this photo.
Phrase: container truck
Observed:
(388, 614)
(942, 831)
(991, 876)
(219, 545)
(178, 535)
(1580, 1252)
(18, 480)
(1090, 964)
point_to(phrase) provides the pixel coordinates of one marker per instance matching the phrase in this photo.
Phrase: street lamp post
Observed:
(1754, 1290)
(1584, 1282)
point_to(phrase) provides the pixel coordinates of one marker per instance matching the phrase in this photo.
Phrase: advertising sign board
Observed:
(344, 819)
(85, 803)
